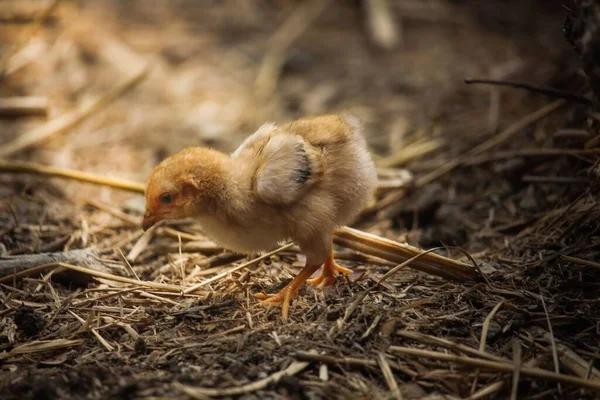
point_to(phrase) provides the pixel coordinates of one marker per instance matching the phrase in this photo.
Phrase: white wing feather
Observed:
(290, 167)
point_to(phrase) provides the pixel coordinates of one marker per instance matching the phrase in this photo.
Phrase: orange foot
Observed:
(330, 270)
(286, 294)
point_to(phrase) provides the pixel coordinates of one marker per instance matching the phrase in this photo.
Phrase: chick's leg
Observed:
(287, 293)
(330, 270)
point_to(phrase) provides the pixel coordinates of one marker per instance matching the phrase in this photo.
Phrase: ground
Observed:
(524, 206)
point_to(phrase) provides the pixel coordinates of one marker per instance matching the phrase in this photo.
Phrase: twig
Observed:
(551, 152)
(27, 264)
(484, 332)
(389, 376)
(400, 252)
(155, 297)
(128, 265)
(178, 234)
(574, 362)
(94, 331)
(517, 364)
(32, 30)
(408, 153)
(141, 244)
(494, 113)
(486, 391)
(497, 366)
(130, 219)
(581, 261)
(202, 393)
(491, 142)
(32, 168)
(554, 179)
(349, 362)
(552, 341)
(486, 326)
(533, 88)
(515, 128)
(23, 106)
(292, 28)
(381, 24)
(71, 120)
(41, 346)
(154, 285)
(437, 341)
(234, 269)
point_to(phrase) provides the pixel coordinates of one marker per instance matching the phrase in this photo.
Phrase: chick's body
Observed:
(293, 181)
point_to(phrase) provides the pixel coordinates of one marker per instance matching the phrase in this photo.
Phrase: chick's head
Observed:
(184, 185)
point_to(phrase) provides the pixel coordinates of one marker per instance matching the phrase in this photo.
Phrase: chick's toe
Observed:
(330, 270)
(286, 294)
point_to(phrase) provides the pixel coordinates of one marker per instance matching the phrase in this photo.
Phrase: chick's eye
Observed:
(166, 198)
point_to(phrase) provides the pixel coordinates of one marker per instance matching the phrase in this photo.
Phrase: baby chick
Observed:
(295, 181)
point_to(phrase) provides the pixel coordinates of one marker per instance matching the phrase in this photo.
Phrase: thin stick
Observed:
(23, 106)
(555, 179)
(292, 28)
(544, 152)
(486, 391)
(155, 297)
(408, 153)
(41, 346)
(437, 341)
(33, 28)
(115, 278)
(517, 364)
(389, 376)
(128, 265)
(349, 362)
(71, 120)
(234, 269)
(381, 24)
(492, 142)
(552, 341)
(486, 326)
(32, 168)
(141, 243)
(26, 272)
(400, 252)
(483, 340)
(581, 261)
(533, 88)
(202, 393)
(574, 362)
(496, 366)
(94, 331)
(115, 212)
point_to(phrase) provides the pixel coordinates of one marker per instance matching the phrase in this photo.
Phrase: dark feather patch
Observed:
(305, 171)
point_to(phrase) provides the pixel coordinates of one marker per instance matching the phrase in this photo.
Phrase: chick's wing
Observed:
(289, 166)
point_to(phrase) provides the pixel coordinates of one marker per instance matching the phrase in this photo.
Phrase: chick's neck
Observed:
(222, 191)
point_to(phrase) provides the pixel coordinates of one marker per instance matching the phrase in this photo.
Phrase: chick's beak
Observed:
(149, 221)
